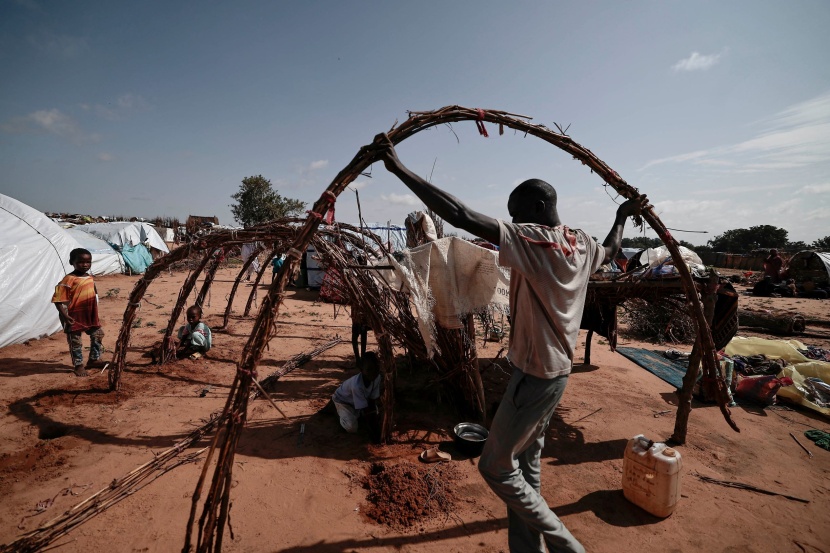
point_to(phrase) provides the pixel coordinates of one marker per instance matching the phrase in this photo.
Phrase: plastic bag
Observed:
(761, 389)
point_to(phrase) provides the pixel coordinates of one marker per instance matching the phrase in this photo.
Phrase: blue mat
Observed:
(654, 362)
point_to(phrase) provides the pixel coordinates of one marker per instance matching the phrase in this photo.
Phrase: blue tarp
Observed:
(654, 362)
(136, 257)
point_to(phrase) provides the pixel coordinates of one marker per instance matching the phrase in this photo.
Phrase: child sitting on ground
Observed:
(355, 398)
(195, 338)
(77, 302)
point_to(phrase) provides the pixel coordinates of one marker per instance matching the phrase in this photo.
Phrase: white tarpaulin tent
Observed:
(166, 234)
(127, 234)
(34, 257)
(105, 260)
(315, 271)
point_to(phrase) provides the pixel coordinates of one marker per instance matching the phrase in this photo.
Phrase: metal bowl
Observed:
(470, 438)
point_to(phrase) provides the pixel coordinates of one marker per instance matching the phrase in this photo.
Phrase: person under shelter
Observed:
(355, 399)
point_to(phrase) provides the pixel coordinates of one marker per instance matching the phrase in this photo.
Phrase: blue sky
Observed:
(719, 111)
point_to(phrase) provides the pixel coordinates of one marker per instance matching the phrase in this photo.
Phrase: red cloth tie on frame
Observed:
(482, 130)
(330, 199)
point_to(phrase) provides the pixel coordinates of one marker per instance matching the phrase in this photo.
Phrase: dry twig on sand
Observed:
(119, 489)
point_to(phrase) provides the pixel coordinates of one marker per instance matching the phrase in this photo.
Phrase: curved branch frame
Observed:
(215, 510)
(208, 244)
(277, 233)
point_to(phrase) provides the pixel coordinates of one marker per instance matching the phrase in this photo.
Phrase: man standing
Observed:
(549, 269)
(773, 265)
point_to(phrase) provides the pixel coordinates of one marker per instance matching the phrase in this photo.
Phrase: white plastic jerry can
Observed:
(651, 475)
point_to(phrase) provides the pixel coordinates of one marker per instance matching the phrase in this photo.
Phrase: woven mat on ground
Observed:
(658, 365)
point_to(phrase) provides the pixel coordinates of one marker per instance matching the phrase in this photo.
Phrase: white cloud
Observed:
(104, 156)
(118, 109)
(816, 188)
(131, 101)
(319, 164)
(400, 199)
(814, 215)
(741, 189)
(798, 136)
(359, 185)
(696, 62)
(689, 207)
(51, 121)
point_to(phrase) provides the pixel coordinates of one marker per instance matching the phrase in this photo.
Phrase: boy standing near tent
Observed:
(549, 269)
(77, 302)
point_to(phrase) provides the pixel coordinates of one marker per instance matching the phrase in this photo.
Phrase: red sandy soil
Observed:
(64, 438)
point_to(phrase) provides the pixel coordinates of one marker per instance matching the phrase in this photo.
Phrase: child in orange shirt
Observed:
(77, 302)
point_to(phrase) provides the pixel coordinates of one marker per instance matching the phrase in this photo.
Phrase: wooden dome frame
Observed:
(216, 507)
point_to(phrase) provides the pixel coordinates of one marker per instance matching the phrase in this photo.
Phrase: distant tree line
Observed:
(742, 240)
(643, 242)
(167, 222)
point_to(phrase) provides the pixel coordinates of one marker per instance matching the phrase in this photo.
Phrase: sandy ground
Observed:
(64, 438)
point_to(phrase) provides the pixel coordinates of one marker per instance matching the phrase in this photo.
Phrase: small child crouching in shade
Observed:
(195, 338)
(77, 302)
(355, 399)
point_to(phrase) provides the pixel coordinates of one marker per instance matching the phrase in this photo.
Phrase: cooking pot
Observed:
(470, 438)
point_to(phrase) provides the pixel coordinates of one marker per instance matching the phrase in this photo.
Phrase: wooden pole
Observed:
(684, 398)
(473, 373)
(254, 287)
(588, 339)
(210, 274)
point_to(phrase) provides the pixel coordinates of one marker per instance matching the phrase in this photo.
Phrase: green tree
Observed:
(641, 242)
(795, 247)
(258, 202)
(645, 242)
(744, 240)
(822, 244)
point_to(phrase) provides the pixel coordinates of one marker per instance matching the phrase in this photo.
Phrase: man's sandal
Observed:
(80, 371)
(434, 455)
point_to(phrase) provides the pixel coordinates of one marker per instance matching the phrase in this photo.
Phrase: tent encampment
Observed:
(105, 260)
(131, 241)
(34, 257)
(127, 234)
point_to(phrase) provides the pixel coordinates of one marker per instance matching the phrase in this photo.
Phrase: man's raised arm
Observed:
(447, 206)
(627, 209)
